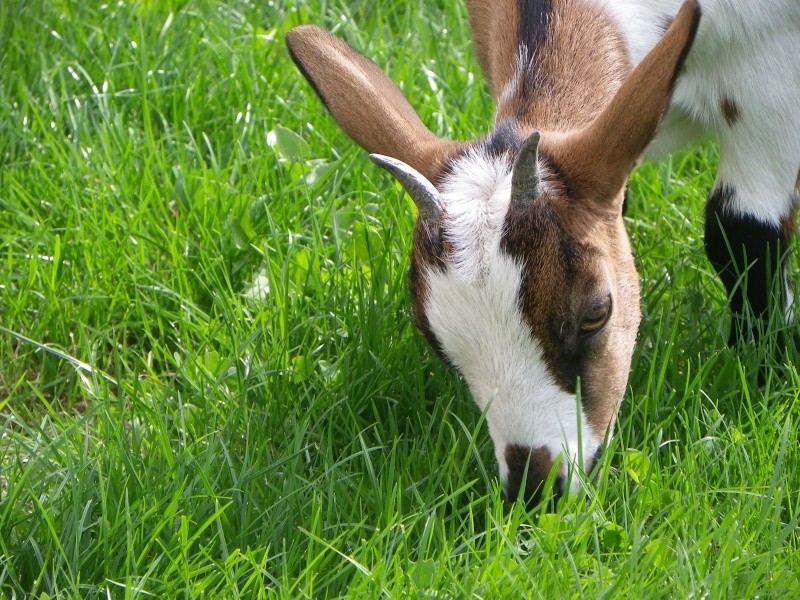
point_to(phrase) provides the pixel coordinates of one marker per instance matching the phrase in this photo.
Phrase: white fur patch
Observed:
(473, 309)
(476, 199)
(746, 53)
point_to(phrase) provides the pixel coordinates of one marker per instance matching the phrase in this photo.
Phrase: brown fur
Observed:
(578, 68)
(494, 33)
(429, 251)
(789, 225)
(573, 262)
(730, 110)
(600, 157)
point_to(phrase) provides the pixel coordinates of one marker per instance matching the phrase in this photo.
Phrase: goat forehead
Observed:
(476, 195)
(554, 260)
(477, 175)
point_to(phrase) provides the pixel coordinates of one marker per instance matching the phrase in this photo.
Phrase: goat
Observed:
(521, 273)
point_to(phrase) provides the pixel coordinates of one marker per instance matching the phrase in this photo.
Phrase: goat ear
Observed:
(365, 103)
(599, 158)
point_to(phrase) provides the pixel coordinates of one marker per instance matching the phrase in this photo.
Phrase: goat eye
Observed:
(595, 319)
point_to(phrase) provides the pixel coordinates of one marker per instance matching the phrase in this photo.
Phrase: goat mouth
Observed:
(528, 472)
(533, 476)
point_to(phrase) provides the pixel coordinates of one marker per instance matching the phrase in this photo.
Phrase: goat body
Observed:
(521, 272)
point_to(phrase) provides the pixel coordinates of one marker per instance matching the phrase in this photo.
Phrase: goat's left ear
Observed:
(599, 158)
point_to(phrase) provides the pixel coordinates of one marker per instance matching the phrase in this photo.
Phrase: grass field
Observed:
(209, 384)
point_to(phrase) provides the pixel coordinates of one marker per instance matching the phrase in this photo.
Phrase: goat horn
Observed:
(525, 174)
(422, 192)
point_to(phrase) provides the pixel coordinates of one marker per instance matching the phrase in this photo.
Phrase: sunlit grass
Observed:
(209, 385)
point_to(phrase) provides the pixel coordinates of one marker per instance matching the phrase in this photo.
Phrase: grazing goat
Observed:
(521, 272)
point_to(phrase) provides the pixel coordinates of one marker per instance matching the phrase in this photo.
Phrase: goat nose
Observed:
(528, 469)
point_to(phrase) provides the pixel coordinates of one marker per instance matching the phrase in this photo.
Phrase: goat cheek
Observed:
(602, 389)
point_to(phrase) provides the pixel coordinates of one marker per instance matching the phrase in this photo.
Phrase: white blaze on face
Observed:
(473, 309)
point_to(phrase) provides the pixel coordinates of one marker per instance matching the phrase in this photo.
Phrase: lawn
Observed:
(209, 383)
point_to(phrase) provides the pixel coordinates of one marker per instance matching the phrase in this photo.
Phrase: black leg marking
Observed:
(749, 257)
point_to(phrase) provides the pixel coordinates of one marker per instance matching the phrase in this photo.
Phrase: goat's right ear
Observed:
(600, 157)
(365, 103)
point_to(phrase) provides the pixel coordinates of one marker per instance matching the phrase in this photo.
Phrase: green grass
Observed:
(170, 429)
